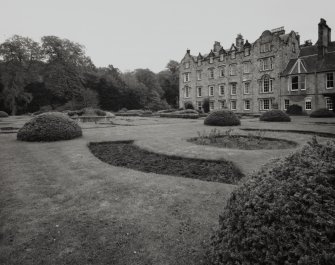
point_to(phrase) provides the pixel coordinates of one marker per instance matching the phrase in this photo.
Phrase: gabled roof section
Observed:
(222, 51)
(211, 54)
(233, 48)
(298, 67)
(247, 44)
(199, 56)
(188, 56)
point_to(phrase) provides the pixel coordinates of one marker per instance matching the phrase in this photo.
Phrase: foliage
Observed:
(188, 105)
(294, 110)
(283, 214)
(222, 118)
(47, 127)
(205, 105)
(169, 81)
(274, 115)
(3, 114)
(322, 113)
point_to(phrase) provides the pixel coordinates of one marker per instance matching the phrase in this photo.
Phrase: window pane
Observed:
(294, 83)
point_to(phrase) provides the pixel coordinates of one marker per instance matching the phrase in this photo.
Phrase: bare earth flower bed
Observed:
(245, 142)
(126, 154)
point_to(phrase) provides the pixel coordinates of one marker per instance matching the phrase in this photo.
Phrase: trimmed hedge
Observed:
(47, 127)
(222, 118)
(322, 113)
(3, 114)
(294, 110)
(274, 115)
(184, 114)
(188, 105)
(284, 214)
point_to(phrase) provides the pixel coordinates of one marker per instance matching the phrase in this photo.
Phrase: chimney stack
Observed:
(324, 37)
(239, 41)
(217, 46)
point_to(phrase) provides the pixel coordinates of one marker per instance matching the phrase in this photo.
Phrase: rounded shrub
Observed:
(3, 114)
(222, 118)
(274, 115)
(294, 110)
(188, 105)
(283, 214)
(322, 113)
(47, 127)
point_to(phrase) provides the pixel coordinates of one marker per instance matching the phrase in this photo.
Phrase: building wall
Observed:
(281, 52)
(316, 91)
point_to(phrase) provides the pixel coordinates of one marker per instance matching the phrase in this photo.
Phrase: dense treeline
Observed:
(57, 74)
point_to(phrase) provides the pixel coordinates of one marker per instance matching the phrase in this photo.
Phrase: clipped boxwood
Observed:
(283, 214)
(47, 127)
(274, 115)
(222, 118)
(322, 113)
(188, 105)
(3, 114)
(294, 110)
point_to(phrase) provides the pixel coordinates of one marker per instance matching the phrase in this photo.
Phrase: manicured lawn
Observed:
(59, 204)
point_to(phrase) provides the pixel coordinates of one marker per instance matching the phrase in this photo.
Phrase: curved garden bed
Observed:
(126, 154)
(320, 134)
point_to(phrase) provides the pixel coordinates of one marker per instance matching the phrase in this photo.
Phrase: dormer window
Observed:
(233, 55)
(187, 65)
(293, 47)
(246, 51)
(221, 57)
(266, 47)
(211, 59)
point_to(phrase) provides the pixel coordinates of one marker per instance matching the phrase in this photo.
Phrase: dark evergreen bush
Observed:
(274, 115)
(283, 214)
(294, 110)
(205, 105)
(188, 105)
(185, 114)
(222, 118)
(322, 113)
(47, 127)
(3, 114)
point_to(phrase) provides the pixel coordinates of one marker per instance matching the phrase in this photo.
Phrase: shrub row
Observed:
(283, 214)
(179, 115)
(274, 115)
(322, 113)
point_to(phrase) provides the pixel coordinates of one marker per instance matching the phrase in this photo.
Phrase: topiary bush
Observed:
(188, 105)
(47, 127)
(322, 113)
(222, 118)
(294, 110)
(283, 214)
(275, 115)
(205, 105)
(3, 114)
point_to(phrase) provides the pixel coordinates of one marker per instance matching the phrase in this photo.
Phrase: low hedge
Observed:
(222, 118)
(179, 115)
(47, 127)
(322, 113)
(274, 115)
(3, 114)
(283, 214)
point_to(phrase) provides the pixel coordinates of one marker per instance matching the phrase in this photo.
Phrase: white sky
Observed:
(132, 34)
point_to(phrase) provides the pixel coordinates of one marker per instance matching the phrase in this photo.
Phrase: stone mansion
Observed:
(272, 73)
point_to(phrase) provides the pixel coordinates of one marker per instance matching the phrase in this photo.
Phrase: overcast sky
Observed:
(132, 34)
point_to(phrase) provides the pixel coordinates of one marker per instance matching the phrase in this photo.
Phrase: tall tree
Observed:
(21, 58)
(169, 81)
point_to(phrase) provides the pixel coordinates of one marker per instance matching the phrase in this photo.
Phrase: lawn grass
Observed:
(59, 204)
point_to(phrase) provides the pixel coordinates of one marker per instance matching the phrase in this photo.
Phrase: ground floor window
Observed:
(211, 105)
(199, 105)
(308, 104)
(265, 104)
(233, 104)
(286, 104)
(329, 103)
(247, 104)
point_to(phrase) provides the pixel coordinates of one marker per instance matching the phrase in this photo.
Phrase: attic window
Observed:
(246, 51)
(199, 62)
(211, 59)
(233, 55)
(187, 65)
(221, 57)
(293, 47)
(266, 47)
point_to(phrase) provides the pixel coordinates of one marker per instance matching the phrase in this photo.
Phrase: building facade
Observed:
(247, 77)
(308, 80)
